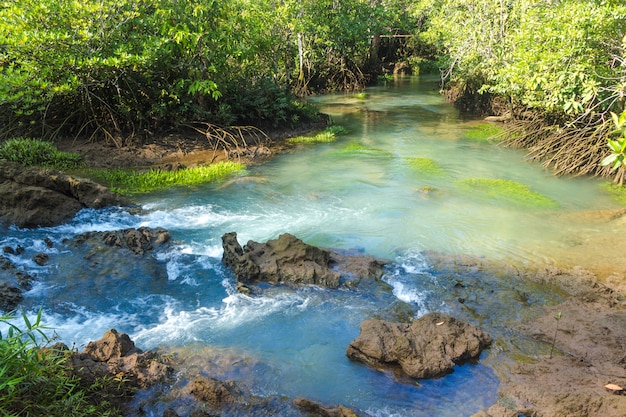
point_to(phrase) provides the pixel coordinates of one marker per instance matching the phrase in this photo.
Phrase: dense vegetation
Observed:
(556, 67)
(122, 69)
(36, 379)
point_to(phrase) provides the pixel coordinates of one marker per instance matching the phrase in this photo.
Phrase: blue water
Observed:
(292, 342)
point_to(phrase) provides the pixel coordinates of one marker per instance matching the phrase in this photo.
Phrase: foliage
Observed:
(35, 379)
(326, 136)
(426, 166)
(33, 152)
(119, 69)
(617, 158)
(134, 182)
(507, 191)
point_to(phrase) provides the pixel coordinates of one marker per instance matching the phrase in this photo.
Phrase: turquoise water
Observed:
(292, 342)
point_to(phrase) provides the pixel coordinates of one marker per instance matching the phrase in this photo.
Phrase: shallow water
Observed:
(294, 341)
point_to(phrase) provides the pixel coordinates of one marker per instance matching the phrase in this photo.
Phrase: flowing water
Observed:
(292, 342)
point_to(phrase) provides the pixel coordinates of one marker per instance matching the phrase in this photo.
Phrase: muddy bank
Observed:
(555, 360)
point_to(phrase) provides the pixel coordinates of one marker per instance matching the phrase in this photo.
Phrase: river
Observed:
(368, 197)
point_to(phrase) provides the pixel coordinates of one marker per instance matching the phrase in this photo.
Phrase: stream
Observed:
(369, 198)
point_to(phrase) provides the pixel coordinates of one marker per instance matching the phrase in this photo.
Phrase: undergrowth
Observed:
(37, 380)
(128, 182)
(34, 152)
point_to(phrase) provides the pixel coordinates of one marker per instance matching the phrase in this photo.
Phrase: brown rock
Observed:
(314, 409)
(31, 197)
(429, 347)
(289, 260)
(212, 392)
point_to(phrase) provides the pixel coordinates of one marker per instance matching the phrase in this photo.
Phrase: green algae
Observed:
(357, 148)
(617, 192)
(483, 132)
(507, 191)
(426, 166)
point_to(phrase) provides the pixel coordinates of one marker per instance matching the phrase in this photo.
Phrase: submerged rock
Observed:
(138, 241)
(288, 260)
(32, 197)
(428, 347)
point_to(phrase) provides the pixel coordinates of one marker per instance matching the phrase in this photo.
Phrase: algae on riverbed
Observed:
(507, 191)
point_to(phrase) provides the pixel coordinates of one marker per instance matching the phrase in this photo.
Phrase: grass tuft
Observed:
(33, 152)
(507, 191)
(130, 182)
(328, 135)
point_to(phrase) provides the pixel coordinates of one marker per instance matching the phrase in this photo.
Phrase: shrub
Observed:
(33, 152)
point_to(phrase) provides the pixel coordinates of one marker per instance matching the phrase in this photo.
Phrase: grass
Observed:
(130, 182)
(483, 132)
(616, 191)
(426, 166)
(328, 135)
(507, 191)
(37, 380)
(41, 153)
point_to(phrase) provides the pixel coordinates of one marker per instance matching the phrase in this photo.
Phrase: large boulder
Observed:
(426, 348)
(115, 355)
(288, 260)
(32, 197)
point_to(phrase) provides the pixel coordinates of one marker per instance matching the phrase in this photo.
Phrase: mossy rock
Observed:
(483, 132)
(426, 166)
(507, 191)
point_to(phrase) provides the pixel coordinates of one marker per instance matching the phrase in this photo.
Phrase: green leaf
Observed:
(609, 160)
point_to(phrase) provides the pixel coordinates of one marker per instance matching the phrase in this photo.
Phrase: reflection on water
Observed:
(292, 342)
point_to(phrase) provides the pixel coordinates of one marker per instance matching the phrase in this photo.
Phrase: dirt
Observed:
(589, 342)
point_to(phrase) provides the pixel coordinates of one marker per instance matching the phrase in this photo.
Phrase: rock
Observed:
(314, 409)
(288, 260)
(429, 347)
(32, 197)
(213, 393)
(138, 241)
(115, 355)
(41, 258)
(10, 297)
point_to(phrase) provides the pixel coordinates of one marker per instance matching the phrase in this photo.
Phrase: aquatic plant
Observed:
(507, 191)
(483, 132)
(426, 166)
(326, 136)
(36, 380)
(356, 147)
(134, 182)
(360, 96)
(34, 152)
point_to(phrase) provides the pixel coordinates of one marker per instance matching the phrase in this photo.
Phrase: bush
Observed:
(33, 152)
(36, 380)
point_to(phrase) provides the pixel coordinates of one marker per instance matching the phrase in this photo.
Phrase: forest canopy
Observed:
(124, 68)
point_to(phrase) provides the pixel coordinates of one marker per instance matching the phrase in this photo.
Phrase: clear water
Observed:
(294, 341)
